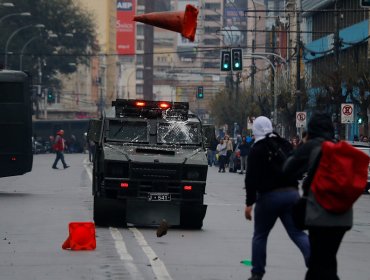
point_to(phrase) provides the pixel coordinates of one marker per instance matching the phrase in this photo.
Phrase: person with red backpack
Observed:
(326, 229)
(59, 146)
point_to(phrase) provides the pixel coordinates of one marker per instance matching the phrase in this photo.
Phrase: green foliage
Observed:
(60, 17)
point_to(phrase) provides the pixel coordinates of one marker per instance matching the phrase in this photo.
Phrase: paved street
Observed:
(37, 207)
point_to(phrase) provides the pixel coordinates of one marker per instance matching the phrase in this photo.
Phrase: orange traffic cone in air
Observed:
(181, 22)
(81, 236)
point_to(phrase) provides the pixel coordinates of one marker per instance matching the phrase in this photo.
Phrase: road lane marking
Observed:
(124, 254)
(120, 245)
(157, 265)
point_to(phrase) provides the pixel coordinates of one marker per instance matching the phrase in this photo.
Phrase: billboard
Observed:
(234, 23)
(126, 27)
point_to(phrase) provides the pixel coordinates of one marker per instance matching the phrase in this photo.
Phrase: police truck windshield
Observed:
(178, 133)
(128, 131)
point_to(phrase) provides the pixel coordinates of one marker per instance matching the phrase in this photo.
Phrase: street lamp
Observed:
(50, 35)
(25, 14)
(13, 34)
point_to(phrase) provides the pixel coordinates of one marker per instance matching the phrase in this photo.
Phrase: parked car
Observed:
(365, 147)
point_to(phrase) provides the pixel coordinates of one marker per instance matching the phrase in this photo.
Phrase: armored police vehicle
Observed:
(149, 165)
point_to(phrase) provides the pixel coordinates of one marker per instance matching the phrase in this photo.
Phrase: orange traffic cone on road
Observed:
(181, 22)
(81, 236)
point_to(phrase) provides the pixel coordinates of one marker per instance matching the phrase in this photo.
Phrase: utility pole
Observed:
(148, 54)
(298, 46)
(337, 45)
(253, 66)
(273, 40)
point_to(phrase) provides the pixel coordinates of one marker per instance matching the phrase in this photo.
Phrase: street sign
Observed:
(301, 119)
(346, 113)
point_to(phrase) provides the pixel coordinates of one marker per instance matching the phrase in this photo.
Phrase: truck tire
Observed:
(192, 216)
(109, 212)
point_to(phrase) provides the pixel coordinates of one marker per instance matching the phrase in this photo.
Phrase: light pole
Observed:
(51, 35)
(12, 35)
(25, 14)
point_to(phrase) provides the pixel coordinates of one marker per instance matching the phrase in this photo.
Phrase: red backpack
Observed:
(340, 177)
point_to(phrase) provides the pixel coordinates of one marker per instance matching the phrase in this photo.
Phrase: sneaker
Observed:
(54, 167)
(65, 167)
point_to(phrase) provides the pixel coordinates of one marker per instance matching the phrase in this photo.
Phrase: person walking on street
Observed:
(229, 149)
(59, 146)
(272, 195)
(221, 149)
(91, 147)
(244, 149)
(211, 152)
(326, 230)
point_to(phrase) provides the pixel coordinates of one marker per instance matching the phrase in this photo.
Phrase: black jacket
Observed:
(264, 175)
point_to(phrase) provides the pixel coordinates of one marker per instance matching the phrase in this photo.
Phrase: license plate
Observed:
(159, 197)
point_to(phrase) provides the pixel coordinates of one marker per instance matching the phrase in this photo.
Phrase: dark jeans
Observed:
(325, 242)
(211, 157)
(269, 207)
(221, 160)
(59, 156)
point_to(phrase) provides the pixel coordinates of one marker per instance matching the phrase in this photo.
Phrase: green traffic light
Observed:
(237, 64)
(226, 66)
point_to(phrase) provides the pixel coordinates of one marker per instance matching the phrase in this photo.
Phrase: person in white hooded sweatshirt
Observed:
(271, 193)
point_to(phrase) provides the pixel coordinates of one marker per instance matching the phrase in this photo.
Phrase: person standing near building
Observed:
(272, 195)
(326, 230)
(59, 147)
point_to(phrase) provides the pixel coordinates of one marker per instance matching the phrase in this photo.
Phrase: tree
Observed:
(60, 17)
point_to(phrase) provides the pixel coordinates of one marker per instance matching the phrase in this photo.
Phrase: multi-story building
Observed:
(337, 47)
(92, 86)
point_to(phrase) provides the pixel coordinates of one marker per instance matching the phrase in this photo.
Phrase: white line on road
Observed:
(158, 267)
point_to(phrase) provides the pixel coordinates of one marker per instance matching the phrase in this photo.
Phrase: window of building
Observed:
(211, 30)
(213, 42)
(139, 59)
(140, 45)
(139, 89)
(140, 29)
(212, 6)
(216, 18)
(139, 74)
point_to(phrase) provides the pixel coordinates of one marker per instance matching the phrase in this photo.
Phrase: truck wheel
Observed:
(109, 212)
(192, 216)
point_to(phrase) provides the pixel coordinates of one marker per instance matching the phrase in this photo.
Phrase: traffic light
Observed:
(359, 121)
(225, 60)
(51, 97)
(200, 93)
(237, 57)
(365, 3)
